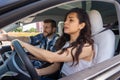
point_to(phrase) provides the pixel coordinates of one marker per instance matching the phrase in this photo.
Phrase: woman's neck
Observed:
(73, 37)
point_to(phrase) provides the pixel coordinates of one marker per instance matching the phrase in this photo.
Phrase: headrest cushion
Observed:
(96, 21)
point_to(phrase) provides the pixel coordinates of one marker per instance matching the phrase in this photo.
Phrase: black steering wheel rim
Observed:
(22, 54)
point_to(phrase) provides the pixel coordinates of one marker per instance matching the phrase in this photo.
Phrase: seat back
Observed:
(105, 40)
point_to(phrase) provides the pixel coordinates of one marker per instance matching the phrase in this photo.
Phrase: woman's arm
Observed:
(48, 70)
(52, 57)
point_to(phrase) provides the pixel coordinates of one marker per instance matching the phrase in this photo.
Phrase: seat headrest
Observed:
(96, 21)
(60, 28)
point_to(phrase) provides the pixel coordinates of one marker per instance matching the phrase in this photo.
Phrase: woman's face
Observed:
(72, 25)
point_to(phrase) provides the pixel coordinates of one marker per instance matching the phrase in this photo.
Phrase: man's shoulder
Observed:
(39, 35)
(56, 36)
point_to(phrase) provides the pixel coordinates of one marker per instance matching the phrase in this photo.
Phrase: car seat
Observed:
(60, 28)
(104, 40)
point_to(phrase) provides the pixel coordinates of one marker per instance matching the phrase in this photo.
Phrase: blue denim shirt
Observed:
(42, 42)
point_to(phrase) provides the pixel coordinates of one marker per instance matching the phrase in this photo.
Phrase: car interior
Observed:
(105, 33)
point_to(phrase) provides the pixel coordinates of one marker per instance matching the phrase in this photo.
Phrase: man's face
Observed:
(48, 30)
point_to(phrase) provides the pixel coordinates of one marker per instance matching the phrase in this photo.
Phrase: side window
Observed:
(21, 29)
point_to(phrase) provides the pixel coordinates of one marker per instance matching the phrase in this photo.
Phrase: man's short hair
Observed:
(53, 22)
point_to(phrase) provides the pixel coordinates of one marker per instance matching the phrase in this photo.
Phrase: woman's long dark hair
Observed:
(83, 38)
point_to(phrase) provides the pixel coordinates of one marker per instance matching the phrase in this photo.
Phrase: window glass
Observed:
(6, 2)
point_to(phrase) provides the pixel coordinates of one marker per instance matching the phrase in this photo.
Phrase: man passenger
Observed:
(45, 40)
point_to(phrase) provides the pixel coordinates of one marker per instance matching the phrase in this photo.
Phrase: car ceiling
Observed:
(60, 11)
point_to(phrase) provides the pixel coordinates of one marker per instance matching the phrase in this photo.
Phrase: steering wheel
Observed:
(26, 61)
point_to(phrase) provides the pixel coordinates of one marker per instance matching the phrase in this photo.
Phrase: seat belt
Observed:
(101, 31)
(108, 27)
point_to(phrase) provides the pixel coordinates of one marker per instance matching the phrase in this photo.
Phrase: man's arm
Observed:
(22, 38)
(7, 37)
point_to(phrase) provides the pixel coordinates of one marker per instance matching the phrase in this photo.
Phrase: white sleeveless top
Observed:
(67, 69)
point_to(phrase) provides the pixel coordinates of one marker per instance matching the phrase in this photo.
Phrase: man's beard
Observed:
(49, 34)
